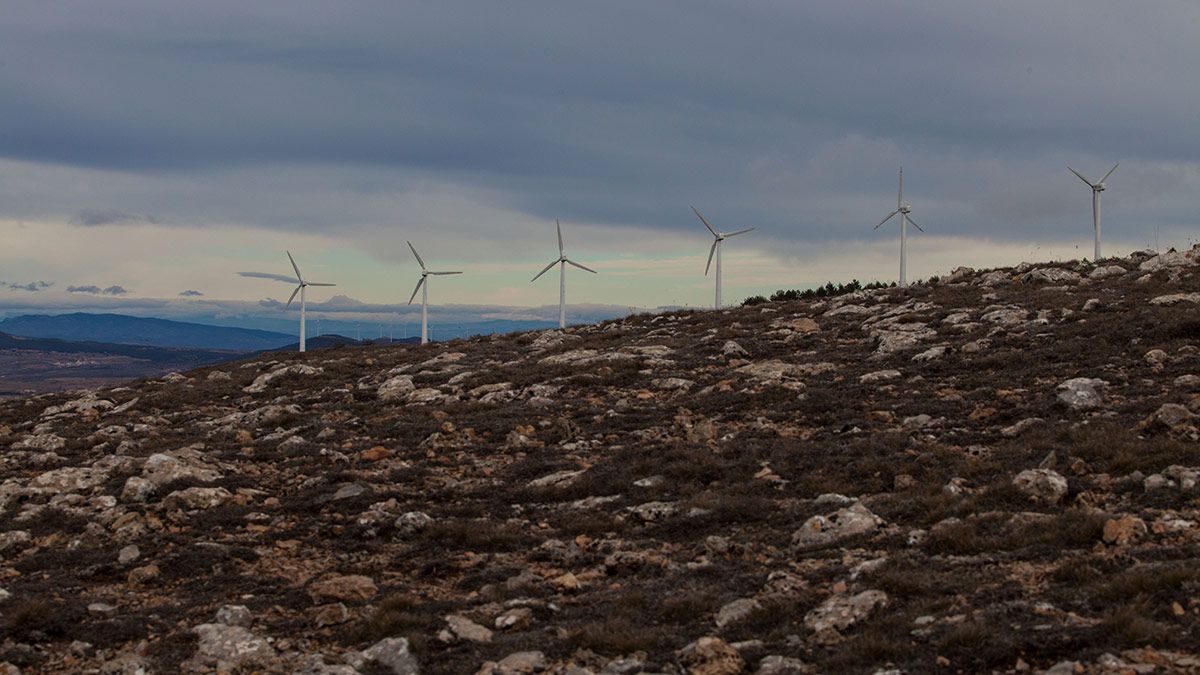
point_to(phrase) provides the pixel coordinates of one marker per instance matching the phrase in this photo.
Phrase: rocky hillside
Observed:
(994, 472)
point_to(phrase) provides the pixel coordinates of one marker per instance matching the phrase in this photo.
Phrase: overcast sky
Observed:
(151, 149)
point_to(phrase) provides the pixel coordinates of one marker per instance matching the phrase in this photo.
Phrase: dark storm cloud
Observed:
(791, 115)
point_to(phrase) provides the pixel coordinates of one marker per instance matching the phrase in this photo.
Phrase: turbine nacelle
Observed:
(905, 208)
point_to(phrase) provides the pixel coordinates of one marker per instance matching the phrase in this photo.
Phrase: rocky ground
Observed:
(996, 471)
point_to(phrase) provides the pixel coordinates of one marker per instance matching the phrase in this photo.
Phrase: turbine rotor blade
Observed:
(558, 226)
(582, 267)
(1081, 177)
(415, 254)
(889, 217)
(546, 269)
(268, 275)
(313, 283)
(1110, 172)
(914, 224)
(289, 302)
(706, 223)
(900, 193)
(414, 295)
(298, 276)
(445, 272)
(733, 234)
(711, 251)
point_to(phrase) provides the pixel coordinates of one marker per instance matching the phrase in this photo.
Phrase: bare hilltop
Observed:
(995, 471)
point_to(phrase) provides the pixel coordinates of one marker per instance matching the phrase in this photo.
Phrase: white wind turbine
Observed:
(718, 237)
(1097, 188)
(301, 284)
(562, 263)
(903, 209)
(423, 286)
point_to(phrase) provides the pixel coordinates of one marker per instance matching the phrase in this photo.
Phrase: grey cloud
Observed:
(96, 217)
(96, 290)
(789, 116)
(190, 294)
(32, 286)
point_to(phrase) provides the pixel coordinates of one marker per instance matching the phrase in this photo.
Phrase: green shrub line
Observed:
(829, 290)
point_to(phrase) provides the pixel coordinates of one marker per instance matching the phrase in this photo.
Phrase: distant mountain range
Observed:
(30, 365)
(34, 365)
(133, 330)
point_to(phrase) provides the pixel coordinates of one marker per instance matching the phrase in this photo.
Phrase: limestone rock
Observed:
(396, 388)
(1042, 485)
(821, 530)
(393, 653)
(1124, 530)
(462, 628)
(841, 611)
(1082, 393)
(350, 588)
(711, 656)
(737, 611)
(231, 645)
(197, 498)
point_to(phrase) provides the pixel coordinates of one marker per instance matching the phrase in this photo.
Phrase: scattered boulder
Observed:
(461, 628)
(1124, 530)
(1042, 485)
(197, 498)
(228, 647)
(349, 588)
(848, 522)
(879, 376)
(396, 388)
(393, 653)
(711, 656)
(1170, 418)
(1175, 299)
(842, 611)
(737, 611)
(1082, 393)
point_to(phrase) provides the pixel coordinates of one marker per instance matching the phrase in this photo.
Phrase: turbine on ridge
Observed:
(1097, 188)
(301, 284)
(718, 237)
(423, 286)
(903, 209)
(562, 263)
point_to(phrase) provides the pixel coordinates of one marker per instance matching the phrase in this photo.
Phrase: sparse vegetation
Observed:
(611, 491)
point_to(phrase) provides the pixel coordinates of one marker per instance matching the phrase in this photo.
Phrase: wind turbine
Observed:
(562, 263)
(718, 237)
(301, 284)
(1097, 188)
(423, 286)
(903, 209)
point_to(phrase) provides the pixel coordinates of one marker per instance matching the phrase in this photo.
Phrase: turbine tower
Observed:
(301, 284)
(718, 237)
(423, 286)
(562, 263)
(1097, 188)
(903, 209)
